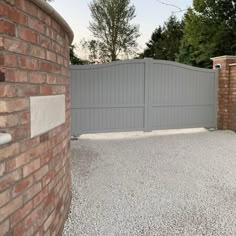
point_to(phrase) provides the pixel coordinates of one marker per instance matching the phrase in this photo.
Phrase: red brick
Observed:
(7, 28)
(45, 18)
(20, 132)
(16, 76)
(33, 191)
(17, 17)
(12, 206)
(59, 90)
(56, 69)
(8, 90)
(38, 52)
(29, 231)
(12, 2)
(56, 47)
(10, 60)
(32, 218)
(22, 186)
(45, 66)
(46, 158)
(40, 197)
(24, 117)
(1, 59)
(66, 63)
(29, 144)
(56, 26)
(31, 167)
(50, 33)
(59, 40)
(2, 168)
(4, 227)
(38, 175)
(62, 80)
(18, 161)
(48, 178)
(27, 6)
(14, 105)
(27, 35)
(21, 213)
(28, 63)
(28, 90)
(45, 90)
(44, 41)
(7, 121)
(51, 79)
(51, 56)
(15, 46)
(49, 221)
(36, 25)
(26, 157)
(64, 71)
(18, 230)
(37, 77)
(60, 60)
(10, 179)
(4, 9)
(54, 223)
(9, 151)
(44, 137)
(5, 197)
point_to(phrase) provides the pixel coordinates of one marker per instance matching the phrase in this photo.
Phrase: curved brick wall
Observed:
(34, 173)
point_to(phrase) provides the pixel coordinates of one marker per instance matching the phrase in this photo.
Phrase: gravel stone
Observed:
(165, 183)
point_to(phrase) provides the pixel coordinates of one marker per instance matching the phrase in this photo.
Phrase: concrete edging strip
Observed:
(53, 13)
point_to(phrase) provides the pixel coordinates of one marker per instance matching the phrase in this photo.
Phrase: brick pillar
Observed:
(35, 178)
(226, 118)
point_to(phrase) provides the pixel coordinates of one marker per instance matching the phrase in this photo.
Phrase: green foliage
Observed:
(97, 53)
(74, 60)
(165, 41)
(209, 31)
(112, 28)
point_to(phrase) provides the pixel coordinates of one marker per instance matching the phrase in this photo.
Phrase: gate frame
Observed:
(148, 73)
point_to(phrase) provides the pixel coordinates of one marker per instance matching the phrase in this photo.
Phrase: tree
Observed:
(111, 26)
(96, 52)
(165, 41)
(209, 30)
(74, 60)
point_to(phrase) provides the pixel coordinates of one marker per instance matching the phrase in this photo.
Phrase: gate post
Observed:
(147, 94)
(226, 115)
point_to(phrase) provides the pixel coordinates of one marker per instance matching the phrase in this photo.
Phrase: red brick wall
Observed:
(34, 173)
(226, 92)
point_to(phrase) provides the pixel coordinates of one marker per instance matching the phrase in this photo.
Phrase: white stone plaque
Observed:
(46, 113)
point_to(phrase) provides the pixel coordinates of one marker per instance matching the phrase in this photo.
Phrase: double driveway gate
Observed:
(142, 95)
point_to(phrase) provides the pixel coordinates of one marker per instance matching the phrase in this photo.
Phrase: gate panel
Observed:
(182, 96)
(108, 97)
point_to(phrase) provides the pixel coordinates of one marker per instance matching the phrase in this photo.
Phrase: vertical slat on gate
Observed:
(147, 79)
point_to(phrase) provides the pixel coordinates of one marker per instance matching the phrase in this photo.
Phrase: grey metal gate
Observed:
(142, 95)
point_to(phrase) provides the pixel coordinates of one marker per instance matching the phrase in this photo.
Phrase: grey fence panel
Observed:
(141, 95)
(108, 97)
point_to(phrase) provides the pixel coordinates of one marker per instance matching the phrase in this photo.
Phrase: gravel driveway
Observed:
(160, 183)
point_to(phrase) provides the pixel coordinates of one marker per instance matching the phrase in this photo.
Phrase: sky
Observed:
(149, 15)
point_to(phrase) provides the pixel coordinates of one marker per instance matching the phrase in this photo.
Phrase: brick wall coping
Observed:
(233, 64)
(224, 57)
(54, 14)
